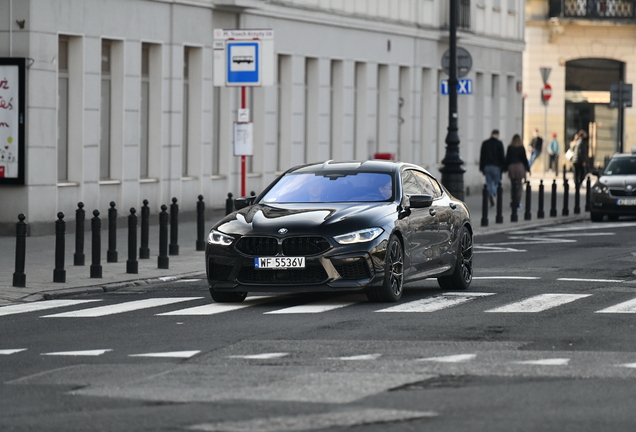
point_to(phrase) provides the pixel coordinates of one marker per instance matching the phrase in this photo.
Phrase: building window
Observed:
(105, 112)
(144, 112)
(216, 130)
(186, 112)
(62, 110)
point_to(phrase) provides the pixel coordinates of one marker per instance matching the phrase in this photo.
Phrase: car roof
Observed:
(375, 165)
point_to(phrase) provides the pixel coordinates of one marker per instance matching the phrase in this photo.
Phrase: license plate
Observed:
(279, 263)
(626, 201)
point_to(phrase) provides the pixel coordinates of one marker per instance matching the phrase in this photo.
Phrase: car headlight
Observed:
(218, 238)
(600, 189)
(361, 236)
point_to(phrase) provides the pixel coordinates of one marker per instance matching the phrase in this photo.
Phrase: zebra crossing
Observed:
(436, 303)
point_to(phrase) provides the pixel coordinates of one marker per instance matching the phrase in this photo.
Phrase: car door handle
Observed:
(432, 212)
(453, 205)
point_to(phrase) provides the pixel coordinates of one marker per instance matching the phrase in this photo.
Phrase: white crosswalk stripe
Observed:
(317, 307)
(625, 307)
(217, 308)
(539, 303)
(38, 306)
(121, 307)
(436, 303)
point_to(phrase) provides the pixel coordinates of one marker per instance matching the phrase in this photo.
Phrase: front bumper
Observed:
(605, 203)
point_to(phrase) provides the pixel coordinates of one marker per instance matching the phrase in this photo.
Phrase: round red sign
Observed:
(546, 92)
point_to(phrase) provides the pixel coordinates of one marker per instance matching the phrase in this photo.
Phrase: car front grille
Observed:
(292, 246)
(354, 270)
(623, 192)
(310, 274)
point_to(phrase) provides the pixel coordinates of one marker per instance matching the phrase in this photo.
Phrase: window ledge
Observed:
(109, 182)
(67, 184)
(189, 178)
(218, 177)
(148, 180)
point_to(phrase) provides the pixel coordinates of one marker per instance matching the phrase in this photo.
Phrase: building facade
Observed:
(587, 45)
(121, 102)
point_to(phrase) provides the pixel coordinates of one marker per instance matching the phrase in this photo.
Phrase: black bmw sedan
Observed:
(342, 226)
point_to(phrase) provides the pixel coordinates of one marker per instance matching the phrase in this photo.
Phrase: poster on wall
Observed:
(12, 101)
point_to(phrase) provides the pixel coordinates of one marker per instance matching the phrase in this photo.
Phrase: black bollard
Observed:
(96, 245)
(499, 219)
(200, 243)
(144, 250)
(553, 200)
(528, 213)
(78, 257)
(111, 254)
(132, 266)
(229, 204)
(163, 260)
(484, 207)
(577, 198)
(540, 212)
(59, 274)
(174, 228)
(19, 277)
(588, 189)
(566, 198)
(513, 216)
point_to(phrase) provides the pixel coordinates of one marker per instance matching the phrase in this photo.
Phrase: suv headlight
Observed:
(601, 189)
(361, 236)
(218, 238)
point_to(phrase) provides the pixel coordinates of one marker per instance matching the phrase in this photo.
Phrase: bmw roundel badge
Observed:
(282, 231)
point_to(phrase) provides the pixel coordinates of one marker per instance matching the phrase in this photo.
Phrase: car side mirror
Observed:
(243, 202)
(420, 201)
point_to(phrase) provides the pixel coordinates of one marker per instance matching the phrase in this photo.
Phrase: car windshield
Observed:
(331, 187)
(621, 166)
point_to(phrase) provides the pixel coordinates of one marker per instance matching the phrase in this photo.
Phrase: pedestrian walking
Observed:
(553, 152)
(579, 158)
(491, 162)
(517, 166)
(536, 145)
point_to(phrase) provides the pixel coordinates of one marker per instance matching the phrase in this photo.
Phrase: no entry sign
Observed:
(546, 92)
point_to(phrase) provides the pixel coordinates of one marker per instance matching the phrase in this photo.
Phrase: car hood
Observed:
(326, 219)
(618, 181)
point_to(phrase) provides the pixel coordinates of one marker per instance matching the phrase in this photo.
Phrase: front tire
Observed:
(393, 285)
(227, 297)
(462, 275)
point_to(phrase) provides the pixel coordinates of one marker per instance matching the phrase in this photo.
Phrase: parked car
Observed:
(342, 226)
(614, 194)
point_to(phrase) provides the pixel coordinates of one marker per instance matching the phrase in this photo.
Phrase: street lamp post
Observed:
(452, 171)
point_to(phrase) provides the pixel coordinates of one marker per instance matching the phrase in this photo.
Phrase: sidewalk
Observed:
(190, 263)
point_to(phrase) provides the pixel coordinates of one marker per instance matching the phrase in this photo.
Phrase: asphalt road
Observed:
(542, 341)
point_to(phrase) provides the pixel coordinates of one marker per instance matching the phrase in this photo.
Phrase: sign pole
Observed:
(243, 168)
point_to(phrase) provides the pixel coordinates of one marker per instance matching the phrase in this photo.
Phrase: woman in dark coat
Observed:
(579, 159)
(517, 167)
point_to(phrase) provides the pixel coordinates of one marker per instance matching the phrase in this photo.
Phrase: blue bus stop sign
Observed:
(243, 63)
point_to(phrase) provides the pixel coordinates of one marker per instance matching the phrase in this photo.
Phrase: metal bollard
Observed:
(588, 190)
(111, 254)
(528, 213)
(513, 216)
(540, 212)
(163, 260)
(80, 215)
(132, 266)
(200, 243)
(566, 197)
(484, 207)
(144, 250)
(96, 245)
(59, 274)
(499, 218)
(19, 277)
(577, 198)
(229, 204)
(553, 200)
(174, 228)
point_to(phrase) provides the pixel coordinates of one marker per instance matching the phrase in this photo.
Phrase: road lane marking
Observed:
(86, 353)
(121, 307)
(216, 308)
(357, 357)
(264, 356)
(628, 365)
(41, 305)
(495, 249)
(624, 307)
(507, 277)
(539, 303)
(546, 362)
(436, 303)
(174, 354)
(316, 307)
(458, 358)
(590, 280)
(305, 422)
(11, 351)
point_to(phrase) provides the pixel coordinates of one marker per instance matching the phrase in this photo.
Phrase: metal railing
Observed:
(593, 9)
